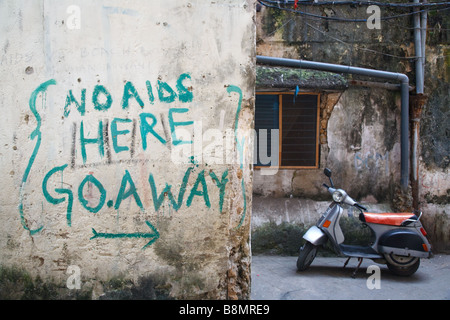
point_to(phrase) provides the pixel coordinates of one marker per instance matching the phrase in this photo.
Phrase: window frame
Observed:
(280, 126)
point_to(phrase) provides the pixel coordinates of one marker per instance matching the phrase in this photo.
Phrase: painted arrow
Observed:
(154, 236)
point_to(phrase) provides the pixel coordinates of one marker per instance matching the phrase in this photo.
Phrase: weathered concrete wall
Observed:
(362, 145)
(124, 149)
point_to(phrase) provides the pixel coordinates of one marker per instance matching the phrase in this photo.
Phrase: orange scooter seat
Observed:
(393, 219)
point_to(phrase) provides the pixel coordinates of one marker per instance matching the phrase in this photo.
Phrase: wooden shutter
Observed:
(299, 131)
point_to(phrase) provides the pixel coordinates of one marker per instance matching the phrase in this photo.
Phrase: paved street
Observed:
(276, 278)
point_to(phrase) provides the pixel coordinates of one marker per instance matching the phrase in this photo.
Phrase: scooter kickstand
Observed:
(357, 268)
(346, 262)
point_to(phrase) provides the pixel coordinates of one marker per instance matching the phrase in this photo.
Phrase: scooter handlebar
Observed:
(330, 189)
(356, 204)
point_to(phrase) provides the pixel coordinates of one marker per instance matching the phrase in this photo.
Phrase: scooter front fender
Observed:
(316, 236)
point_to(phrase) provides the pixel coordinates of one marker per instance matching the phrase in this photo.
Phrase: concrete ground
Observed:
(277, 278)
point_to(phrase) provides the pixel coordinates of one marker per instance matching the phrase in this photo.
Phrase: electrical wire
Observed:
(339, 40)
(271, 4)
(358, 48)
(433, 6)
(311, 15)
(360, 3)
(353, 20)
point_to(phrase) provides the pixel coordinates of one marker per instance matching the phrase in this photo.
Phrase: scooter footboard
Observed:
(316, 236)
(404, 242)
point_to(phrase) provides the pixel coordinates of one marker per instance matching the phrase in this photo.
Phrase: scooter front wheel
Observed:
(307, 254)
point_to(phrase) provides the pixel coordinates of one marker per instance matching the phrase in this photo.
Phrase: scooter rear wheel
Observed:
(307, 254)
(402, 265)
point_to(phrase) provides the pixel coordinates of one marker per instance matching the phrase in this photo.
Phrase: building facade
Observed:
(358, 126)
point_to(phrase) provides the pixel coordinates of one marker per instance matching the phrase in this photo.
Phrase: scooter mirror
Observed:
(327, 172)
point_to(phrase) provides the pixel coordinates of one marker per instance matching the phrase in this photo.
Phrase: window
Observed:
(294, 120)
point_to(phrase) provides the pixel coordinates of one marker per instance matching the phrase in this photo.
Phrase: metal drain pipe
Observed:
(404, 87)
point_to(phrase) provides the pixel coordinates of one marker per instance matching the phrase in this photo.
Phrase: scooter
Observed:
(398, 239)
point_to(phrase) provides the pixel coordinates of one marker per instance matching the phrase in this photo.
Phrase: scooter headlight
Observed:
(338, 196)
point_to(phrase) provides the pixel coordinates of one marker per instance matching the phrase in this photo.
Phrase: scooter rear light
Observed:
(326, 224)
(423, 232)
